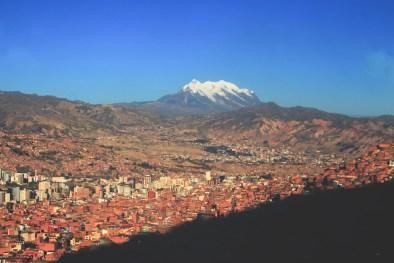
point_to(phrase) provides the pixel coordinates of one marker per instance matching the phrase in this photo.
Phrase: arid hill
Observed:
(268, 124)
(299, 127)
(32, 113)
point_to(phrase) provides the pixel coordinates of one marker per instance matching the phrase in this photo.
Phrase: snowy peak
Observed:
(211, 96)
(212, 90)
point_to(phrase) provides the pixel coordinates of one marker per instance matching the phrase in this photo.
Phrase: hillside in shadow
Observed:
(338, 226)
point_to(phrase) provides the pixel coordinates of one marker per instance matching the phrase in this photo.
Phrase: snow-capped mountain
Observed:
(212, 96)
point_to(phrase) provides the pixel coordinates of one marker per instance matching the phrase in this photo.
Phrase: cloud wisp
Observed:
(381, 66)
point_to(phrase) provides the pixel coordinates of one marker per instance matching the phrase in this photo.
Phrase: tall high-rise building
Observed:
(19, 178)
(24, 195)
(16, 193)
(147, 180)
(7, 197)
(132, 182)
(44, 186)
(208, 175)
(5, 176)
(2, 197)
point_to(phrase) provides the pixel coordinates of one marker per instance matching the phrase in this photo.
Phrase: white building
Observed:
(208, 175)
(24, 195)
(44, 185)
(2, 197)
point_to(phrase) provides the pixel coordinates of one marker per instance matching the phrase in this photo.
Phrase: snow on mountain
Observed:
(211, 96)
(212, 90)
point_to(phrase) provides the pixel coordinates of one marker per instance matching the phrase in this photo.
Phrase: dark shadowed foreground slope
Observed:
(344, 226)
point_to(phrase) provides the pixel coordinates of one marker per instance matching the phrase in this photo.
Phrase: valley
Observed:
(76, 175)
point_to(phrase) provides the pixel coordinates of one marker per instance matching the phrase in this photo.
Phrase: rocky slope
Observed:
(24, 113)
(302, 128)
(267, 123)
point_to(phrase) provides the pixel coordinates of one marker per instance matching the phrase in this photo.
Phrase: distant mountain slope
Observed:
(200, 98)
(164, 109)
(267, 123)
(299, 127)
(339, 226)
(32, 113)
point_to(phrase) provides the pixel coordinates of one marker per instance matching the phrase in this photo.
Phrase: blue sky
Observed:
(334, 55)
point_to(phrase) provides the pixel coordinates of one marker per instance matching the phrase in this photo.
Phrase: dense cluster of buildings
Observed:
(43, 217)
(61, 214)
(376, 166)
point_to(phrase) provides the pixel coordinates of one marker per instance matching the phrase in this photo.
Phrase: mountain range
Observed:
(226, 113)
(299, 127)
(201, 98)
(26, 113)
